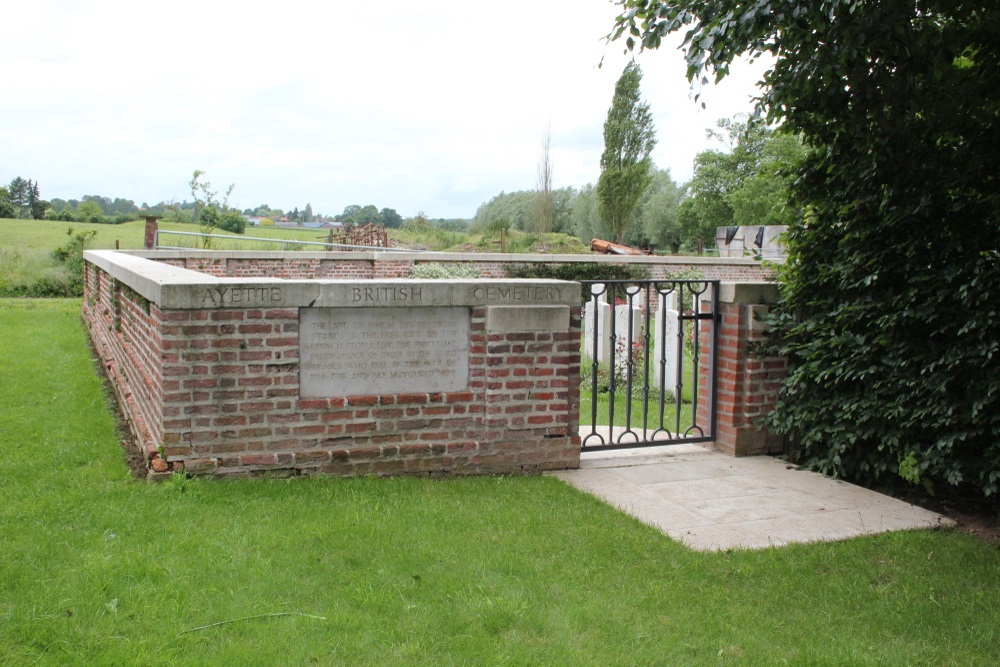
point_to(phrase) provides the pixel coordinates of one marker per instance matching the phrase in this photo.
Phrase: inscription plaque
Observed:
(362, 351)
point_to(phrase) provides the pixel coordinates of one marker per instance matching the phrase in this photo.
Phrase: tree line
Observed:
(21, 199)
(745, 180)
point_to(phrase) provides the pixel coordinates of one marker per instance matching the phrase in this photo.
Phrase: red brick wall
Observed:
(236, 408)
(123, 328)
(217, 391)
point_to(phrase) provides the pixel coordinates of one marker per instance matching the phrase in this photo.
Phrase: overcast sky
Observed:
(431, 106)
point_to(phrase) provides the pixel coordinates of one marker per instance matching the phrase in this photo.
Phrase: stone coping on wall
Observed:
(174, 288)
(509, 258)
(171, 286)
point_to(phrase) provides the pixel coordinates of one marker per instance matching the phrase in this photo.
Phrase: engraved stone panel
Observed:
(363, 351)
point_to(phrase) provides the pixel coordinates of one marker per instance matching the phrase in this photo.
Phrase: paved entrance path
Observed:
(710, 501)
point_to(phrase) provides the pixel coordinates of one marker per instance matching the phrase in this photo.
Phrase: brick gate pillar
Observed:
(748, 382)
(149, 238)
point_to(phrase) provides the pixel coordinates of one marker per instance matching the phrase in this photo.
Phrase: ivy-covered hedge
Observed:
(891, 298)
(891, 294)
(896, 370)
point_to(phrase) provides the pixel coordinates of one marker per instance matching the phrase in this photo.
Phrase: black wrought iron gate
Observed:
(649, 363)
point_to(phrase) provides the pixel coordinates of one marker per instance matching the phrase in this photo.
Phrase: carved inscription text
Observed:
(361, 351)
(241, 296)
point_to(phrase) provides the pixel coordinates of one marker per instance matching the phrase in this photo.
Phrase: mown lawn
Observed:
(29, 268)
(646, 414)
(46, 235)
(98, 568)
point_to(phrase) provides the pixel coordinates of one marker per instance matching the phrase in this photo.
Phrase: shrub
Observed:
(587, 376)
(70, 255)
(435, 270)
(496, 225)
(577, 271)
(232, 221)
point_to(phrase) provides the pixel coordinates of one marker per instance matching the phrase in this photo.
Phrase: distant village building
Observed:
(318, 223)
(315, 224)
(759, 241)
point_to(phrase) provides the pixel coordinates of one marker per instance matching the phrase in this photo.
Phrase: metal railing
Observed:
(282, 242)
(648, 363)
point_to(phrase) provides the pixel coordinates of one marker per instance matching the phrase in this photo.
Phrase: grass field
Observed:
(47, 234)
(28, 268)
(101, 569)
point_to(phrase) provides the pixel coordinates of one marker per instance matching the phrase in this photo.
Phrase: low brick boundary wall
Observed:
(209, 369)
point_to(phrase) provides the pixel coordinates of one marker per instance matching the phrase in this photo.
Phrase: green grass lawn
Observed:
(652, 412)
(27, 265)
(47, 235)
(28, 268)
(98, 568)
(654, 417)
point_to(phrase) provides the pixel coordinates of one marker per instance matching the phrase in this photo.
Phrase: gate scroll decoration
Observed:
(651, 345)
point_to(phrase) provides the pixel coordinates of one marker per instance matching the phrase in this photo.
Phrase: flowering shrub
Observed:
(626, 356)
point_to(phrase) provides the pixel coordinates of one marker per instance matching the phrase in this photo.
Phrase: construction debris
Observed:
(368, 236)
(609, 248)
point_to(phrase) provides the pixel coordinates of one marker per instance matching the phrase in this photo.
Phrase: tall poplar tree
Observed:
(34, 201)
(626, 168)
(545, 209)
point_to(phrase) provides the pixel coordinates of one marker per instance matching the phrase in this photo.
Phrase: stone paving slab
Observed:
(713, 502)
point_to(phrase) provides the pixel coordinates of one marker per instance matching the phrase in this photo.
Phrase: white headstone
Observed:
(665, 343)
(599, 327)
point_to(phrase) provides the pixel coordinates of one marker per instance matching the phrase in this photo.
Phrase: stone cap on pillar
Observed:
(748, 293)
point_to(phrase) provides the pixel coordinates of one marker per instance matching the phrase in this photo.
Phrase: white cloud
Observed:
(432, 106)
